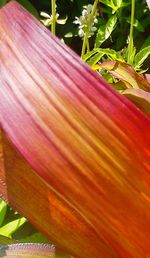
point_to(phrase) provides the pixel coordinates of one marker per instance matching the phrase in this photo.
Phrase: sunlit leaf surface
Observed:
(125, 73)
(78, 165)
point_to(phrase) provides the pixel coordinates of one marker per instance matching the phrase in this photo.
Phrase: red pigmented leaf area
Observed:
(76, 153)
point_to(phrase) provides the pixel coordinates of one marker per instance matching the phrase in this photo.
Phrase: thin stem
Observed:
(88, 46)
(85, 40)
(94, 9)
(53, 26)
(84, 45)
(130, 46)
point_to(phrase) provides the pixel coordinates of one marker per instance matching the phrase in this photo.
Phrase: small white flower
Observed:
(95, 20)
(84, 13)
(81, 33)
(93, 29)
(84, 22)
(49, 18)
(77, 21)
(89, 8)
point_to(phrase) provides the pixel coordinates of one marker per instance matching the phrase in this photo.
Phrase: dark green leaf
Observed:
(3, 209)
(141, 56)
(2, 2)
(27, 4)
(105, 31)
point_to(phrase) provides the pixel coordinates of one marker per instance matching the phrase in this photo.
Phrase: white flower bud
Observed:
(85, 23)
(81, 33)
(93, 29)
(89, 8)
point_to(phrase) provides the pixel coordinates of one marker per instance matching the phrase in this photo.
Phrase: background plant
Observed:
(16, 228)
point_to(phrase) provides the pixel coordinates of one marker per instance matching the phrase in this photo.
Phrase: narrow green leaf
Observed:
(94, 59)
(110, 25)
(146, 43)
(98, 53)
(3, 209)
(141, 56)
(11, 227)
(111, 54)
(106, 2)
(118, 3)
(105, 31)
(89, 54)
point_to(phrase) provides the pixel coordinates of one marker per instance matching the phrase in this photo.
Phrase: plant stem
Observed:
(53, 26)
(84, 45)
(85, 40)
(130, 46)
(88, 46)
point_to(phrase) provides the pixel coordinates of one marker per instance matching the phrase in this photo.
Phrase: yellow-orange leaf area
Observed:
(134, 86)
(77, 162)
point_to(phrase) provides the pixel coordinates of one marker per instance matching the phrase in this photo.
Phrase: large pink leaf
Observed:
(78, 166)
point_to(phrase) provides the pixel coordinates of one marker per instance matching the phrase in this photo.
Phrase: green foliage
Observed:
(2, 2)
(14, 228)
(8, 229)
(96, 55)
(105, 30)
(3, 210)
(141, 57)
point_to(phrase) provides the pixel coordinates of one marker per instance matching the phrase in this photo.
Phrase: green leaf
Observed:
(141, 56)
(2, 2)
(111, 54)
(109, 3)
(140, 97)
(105, 31)
(35, 238)
(3, 209)
(93, 60)
(6, 240)
(118, 3)
(89, 54)
(114, 4)
(11, 227)
(146, 43)
(106, 2)
(137, 24)
(97, 53)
